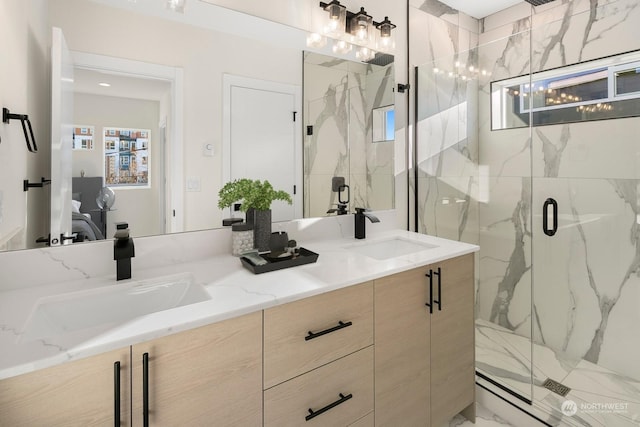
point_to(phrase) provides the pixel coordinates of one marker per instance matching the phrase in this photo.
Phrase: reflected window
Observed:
(601, 89)
(384, 124)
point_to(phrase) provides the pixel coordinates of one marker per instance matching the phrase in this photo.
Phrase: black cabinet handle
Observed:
(313, 414)
(439, 300)
(339, 326)
(145, 390)
(116, 394)
(430, 303)
(549, 231)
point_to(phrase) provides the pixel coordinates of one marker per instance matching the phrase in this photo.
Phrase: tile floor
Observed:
(602, 398)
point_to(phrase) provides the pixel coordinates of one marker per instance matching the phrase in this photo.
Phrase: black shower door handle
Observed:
(550, 230)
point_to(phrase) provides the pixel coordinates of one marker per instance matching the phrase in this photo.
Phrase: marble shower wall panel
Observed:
(587, 292)
(504, 295)
(447, 209)
(596, 149)
(326, 151)
(439, 32)
(582, 30)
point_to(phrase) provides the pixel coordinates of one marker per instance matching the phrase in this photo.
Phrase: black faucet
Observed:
(360, 215)
(123, 251)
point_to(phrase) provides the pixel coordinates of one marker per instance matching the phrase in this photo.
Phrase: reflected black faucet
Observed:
(123, 251)
(360, 215)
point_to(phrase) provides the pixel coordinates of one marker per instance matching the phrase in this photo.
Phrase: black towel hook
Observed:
(7, 116)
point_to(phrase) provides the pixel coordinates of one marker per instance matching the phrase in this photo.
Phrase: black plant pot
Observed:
(261, 221)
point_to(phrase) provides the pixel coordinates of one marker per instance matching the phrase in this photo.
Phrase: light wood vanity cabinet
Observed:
(79, 393)
(318, 359)
(424, 361)
(206, 376)
(312, 362)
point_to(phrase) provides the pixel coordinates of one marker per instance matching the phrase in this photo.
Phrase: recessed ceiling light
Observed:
(103, 84)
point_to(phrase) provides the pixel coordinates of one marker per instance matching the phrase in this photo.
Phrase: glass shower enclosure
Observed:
(527, 146)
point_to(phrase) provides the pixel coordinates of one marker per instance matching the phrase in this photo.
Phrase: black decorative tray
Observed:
(305, 257)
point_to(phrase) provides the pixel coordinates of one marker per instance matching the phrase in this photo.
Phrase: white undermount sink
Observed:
(389, 248)
(101, 308)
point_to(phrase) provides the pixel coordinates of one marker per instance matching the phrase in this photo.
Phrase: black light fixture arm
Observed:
(7, 116)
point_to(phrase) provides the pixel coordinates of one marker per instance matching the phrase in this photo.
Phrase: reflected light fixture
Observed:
(104, 84)
(341, 46)
(316, 40)
(365, 54)
(176, 5)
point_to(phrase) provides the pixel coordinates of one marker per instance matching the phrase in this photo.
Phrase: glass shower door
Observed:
(474, 185)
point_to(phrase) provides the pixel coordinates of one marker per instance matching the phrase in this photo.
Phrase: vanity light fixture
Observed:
(360, 26)
(357, 27)
(337, 18)
(385, 38)
(176, 5)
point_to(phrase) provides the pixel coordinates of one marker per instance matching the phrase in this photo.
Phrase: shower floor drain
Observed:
(556, 387)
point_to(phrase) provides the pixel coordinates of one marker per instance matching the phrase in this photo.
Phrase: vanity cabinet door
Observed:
(202, 377)
(402, 323)
(453, 341)
(424, 363)
(305, 334)
(81, 393)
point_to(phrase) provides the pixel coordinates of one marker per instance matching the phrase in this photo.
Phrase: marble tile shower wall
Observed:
(340, 97)
(488, 187)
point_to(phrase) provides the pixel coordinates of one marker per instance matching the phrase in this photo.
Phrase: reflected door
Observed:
(262, 137)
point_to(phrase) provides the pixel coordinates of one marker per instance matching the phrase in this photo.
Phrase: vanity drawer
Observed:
(343, 387)
(340, 323)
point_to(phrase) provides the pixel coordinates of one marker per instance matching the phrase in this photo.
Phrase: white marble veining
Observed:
(234, 291)
(603, 397)
(575, 294)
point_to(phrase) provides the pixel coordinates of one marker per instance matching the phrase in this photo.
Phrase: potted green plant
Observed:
(255, 197)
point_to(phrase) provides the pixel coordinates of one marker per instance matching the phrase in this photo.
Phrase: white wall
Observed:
(24, 89)
(137, 206)
(204, 56)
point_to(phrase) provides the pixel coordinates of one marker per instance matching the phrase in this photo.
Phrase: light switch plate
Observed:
(193, 183)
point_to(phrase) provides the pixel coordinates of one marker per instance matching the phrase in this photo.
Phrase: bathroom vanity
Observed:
(362, 337)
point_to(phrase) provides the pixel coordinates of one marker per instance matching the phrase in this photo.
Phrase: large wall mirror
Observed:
(152, 96)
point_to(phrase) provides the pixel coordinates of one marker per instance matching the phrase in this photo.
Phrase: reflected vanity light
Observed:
(176, 5)
(316, 40)
(341, 46)
(104, 84)
(365, 54)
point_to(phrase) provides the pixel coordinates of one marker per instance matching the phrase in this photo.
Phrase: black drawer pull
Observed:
(439, 301)
(430, 303)
(116, 394)
(313, 414)
(339, 326)
(145, 390)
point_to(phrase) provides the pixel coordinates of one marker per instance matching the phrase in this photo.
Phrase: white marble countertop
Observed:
(233, 289)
